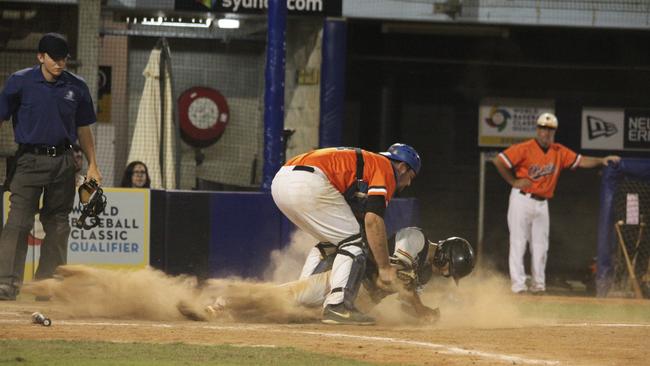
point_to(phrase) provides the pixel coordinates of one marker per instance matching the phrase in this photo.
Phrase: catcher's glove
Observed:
(91, 204)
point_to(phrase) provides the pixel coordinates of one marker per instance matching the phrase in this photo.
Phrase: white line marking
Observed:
(445, 349)
(254, 345)
(9, 313)
(605, 325)
(450, 350)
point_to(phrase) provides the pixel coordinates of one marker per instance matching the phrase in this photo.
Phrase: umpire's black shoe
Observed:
(7, 293)
(340, 314)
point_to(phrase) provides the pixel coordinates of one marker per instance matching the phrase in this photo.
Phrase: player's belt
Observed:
(533, 196)
(304, 168)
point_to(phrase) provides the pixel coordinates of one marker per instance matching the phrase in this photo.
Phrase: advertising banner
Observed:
(332, 8)
(503, 122)
(615, 129)
(121, 240)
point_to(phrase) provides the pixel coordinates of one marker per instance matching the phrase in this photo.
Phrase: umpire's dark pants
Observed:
(55, 178)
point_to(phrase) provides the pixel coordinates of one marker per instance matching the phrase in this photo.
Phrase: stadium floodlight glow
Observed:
(228, 23)
(160, 21)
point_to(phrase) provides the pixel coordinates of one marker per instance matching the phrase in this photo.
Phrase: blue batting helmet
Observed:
(406, 154)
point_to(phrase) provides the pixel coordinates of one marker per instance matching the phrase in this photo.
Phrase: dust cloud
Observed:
(286, 263)
(149, 294)
(93, 292)
(482, 300)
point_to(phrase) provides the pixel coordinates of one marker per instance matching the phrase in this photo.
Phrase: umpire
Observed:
(50, 108)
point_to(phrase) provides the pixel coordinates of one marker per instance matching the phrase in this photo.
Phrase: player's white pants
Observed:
(312, 203)
(528, 221)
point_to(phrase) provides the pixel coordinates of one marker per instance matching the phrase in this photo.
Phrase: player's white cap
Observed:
(547, 120)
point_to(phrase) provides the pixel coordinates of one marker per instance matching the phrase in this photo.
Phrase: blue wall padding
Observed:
(401, 212)
(612, 175)
(605, 233)
(180, 231)
(332, 89)
(274, 91)
(245, 228)
(157, 237)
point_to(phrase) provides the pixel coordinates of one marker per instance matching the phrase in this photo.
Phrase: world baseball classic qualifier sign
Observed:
(121, 240)
(503, 122)
(615, 129)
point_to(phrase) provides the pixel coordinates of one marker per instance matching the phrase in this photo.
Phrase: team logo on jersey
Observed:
(599, 128)
(535, 171)
(498, 118)
(69, 95)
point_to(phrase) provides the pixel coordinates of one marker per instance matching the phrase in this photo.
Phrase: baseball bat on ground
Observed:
(630, 268)
(638, 241)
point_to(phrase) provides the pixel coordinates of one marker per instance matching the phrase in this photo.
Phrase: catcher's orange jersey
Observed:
(528, 160)
(340, 166)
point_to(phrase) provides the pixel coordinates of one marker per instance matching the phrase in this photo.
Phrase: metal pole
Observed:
(481, 206)
(274, 90)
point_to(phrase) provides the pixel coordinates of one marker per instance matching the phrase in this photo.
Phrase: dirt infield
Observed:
(443, 344)
(482, 323)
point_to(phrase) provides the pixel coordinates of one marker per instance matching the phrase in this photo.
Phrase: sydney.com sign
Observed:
(294, 7)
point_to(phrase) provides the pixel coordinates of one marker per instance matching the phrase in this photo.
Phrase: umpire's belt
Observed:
(533, 196)
(49, 150)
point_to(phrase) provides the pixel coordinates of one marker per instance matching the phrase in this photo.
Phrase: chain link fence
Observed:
(632, 198)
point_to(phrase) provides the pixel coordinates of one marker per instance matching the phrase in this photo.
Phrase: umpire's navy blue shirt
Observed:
(44, 112)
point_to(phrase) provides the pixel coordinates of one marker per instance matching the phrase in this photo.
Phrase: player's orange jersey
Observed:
(340, 166)
(529, 160)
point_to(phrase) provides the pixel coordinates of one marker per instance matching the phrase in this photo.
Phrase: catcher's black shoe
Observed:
(340, 314)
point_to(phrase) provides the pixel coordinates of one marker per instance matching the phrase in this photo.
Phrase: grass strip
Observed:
(68, 353)
(627, 313)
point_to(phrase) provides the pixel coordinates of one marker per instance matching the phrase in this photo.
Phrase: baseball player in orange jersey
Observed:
(532, 168)
(339, 195)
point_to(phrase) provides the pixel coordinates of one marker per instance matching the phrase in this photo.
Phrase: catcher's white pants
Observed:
(312, 203)
(528, 221)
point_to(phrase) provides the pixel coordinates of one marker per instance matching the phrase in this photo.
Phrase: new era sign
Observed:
(602, 129)
(637, 129)
(615, 129)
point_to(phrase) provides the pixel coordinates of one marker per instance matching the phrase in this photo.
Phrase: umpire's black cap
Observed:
(55, 45)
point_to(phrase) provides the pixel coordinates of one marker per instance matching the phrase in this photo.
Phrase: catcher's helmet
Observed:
(406, 154)
(91, 204)
(458, 253)
(547, 120)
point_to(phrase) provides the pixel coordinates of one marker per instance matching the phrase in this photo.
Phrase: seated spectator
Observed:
(136, 175)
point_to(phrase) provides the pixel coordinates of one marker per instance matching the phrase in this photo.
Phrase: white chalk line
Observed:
(444, 349)
(9, 313)
(441, 348)
(605, 325)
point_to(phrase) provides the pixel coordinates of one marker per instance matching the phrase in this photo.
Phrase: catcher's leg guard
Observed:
(319, 260)
(348, 271)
